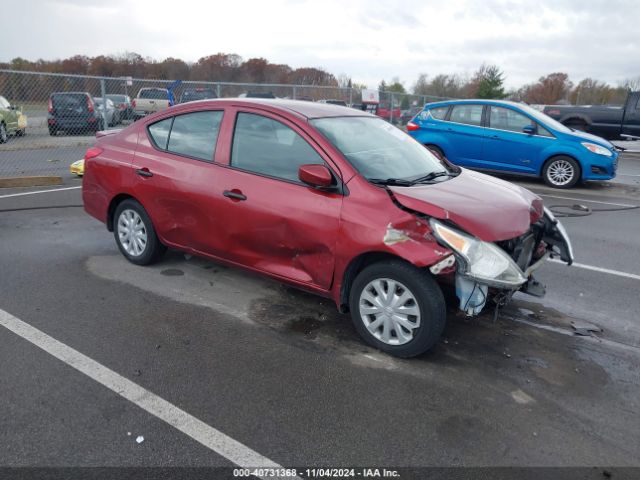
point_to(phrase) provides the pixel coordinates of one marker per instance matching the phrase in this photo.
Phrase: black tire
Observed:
(21, 133)
(4, 136)
(437, 151)
(554, 164)
(153, 249)
(53, 131)
(428, 297)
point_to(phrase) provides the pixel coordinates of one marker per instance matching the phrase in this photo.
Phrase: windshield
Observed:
(377, 149)
(544, 118)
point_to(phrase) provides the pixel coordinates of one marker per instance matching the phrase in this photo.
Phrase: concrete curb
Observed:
(43, 181)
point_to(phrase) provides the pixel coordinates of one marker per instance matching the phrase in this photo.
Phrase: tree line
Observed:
(488, 81)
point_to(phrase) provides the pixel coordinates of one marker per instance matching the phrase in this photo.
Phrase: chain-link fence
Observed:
(48, 120)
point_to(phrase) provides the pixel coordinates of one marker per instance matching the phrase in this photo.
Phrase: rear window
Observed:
(154, 94)
(69, 100)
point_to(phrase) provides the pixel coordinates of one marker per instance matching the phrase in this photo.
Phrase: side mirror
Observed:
(317, 176)
(529, 129)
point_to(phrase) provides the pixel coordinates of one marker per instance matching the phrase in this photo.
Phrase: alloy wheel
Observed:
(560, 172)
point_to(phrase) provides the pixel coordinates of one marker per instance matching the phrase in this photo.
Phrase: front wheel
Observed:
(561, 172)
(397, 308)
(3, 133)
(134, 233)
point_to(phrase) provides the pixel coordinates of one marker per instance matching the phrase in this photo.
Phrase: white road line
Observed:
(585, 200)
(627, 175)
(39, 191)
(208, 436)
(633, 276)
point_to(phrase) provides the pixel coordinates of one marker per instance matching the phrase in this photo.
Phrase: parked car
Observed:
(408, 114)
(331, 200)
(606, 121)
(385, 112)
(149, 100)
(12, 120)
(73, 112)
(507, 137)
(191, 94)
(333, 101)
(112, 113)
(123, 106)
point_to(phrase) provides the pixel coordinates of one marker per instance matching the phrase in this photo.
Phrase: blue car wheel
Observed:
(561, 172)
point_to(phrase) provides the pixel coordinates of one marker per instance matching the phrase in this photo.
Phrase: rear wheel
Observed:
(134, 233)
(397, 308)
(21, 133)
(3, 133)
(561, 172)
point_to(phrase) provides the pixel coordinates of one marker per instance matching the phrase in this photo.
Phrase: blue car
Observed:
(507, 137)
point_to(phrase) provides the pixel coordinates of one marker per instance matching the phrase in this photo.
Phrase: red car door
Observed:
(272, 221)
(177, 180)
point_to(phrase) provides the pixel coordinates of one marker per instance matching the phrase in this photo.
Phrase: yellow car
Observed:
(77, 168)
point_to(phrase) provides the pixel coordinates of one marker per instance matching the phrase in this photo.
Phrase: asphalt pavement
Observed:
(284, 375)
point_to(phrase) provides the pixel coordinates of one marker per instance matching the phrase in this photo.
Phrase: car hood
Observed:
(592, 138)
(484, 206)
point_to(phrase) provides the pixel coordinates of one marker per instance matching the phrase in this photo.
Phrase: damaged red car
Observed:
(325, 198)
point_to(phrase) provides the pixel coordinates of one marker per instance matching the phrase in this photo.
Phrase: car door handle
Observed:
(144, 172)
(234, 195)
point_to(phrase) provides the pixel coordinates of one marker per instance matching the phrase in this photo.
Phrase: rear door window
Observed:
(469, 114)
(439, 113)
(195, 134)
(269, 147)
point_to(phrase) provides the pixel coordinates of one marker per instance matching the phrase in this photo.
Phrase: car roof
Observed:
(474, 100)
(302, 108)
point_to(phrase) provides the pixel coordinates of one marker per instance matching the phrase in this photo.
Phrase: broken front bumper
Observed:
(546, 238)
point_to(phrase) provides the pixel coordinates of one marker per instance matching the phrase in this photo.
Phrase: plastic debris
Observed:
(140, 439)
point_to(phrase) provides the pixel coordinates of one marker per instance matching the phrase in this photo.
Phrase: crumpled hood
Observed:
(484, 206)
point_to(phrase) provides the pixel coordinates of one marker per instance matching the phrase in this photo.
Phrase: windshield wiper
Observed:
(431, 176)
(400, 182)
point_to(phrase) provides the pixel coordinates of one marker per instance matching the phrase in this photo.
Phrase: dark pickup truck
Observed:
(602, 120)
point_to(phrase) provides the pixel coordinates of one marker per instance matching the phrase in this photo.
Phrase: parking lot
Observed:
(190, 363)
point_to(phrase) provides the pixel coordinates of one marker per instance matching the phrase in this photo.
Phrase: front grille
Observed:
(521, 248)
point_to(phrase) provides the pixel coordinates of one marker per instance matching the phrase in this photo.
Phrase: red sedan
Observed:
(329, 199)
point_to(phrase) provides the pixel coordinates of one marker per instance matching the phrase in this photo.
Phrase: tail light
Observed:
(50, 108)
(89, 105)
(92, 153)
(133, 103)
(411, 127)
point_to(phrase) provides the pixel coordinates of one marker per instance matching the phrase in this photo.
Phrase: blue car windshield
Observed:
(377, 149)
(544, 119)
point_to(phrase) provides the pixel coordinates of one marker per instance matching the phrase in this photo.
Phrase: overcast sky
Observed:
(366, 39)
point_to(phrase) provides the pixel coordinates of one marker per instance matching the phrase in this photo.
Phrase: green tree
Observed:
(490, 82)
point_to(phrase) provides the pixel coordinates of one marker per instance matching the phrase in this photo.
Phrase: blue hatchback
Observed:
(508, 137)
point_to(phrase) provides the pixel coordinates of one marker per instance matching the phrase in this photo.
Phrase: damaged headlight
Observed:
(482, 261)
